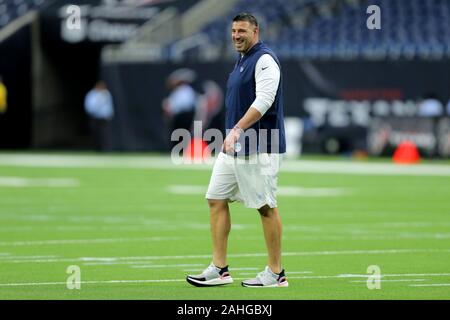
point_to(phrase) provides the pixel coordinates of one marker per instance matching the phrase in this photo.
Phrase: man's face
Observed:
(244, 35)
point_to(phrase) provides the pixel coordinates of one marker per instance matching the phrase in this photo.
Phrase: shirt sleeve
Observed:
(267, 79)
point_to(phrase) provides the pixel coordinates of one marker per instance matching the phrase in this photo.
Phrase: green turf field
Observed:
(136, 226)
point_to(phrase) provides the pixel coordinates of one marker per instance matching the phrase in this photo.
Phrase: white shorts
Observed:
(251, 180)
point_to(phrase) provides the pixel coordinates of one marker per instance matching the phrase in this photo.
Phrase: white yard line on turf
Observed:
(156, 266)
(290, 272)
(431, 285)
(233, 269)
(84, 241)
(19, 182)
(282, 191)
(164, 162)
(182, 280)
(390, 280)
(241, 255)
(11, 257)
(395, 275)
(87, 282)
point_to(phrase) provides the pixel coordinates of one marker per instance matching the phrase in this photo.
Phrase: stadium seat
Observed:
(337, 29)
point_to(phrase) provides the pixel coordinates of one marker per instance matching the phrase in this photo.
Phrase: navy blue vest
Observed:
(241, 87)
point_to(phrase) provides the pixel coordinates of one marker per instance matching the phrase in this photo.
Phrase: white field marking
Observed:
(180, 280)
(431, 285)
(396, 275)
(98, 259)
(156, 266)
(19, 182)
(234, 269)
(74, 228)
(416, 224)
(288, 273)
(241, 255)
(437, 236)
(349, 276)
(10, 257)
(138, 264)
(112, 220)
(84, 241)
(281, 191)
(29, 284)
(164, 162)
(390, 280)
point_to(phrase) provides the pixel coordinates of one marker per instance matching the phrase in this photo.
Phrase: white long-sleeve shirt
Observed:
(182, 99)
(267, 79)
(99, 104)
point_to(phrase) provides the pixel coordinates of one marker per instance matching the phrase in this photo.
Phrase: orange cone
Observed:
(197, 149)
(406, 153)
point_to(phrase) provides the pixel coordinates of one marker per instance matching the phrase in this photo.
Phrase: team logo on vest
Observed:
(242, 69)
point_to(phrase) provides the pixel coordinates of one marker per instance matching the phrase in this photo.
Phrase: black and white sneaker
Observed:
(211, 276)
(267, 279)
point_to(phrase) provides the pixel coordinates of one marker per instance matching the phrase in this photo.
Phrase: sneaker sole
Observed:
(281, 285)
(209, 283)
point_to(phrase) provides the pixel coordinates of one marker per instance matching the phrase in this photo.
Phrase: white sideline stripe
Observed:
(19, 182)
(431, 285)
(178, 280)
(83, 241)
(9, 257)
(396, 275)
(87, 282)
(281, 191)
(241, 255)
(164, 266)
(289, 273)
(391, 280)
(165, 162)
(231, 269)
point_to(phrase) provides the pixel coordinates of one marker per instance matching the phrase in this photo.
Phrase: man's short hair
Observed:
(244, 16)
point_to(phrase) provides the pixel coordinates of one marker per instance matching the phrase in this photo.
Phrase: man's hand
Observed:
(229, 145)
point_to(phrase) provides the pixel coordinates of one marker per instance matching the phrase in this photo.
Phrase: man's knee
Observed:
(217, 204)
(265, 211)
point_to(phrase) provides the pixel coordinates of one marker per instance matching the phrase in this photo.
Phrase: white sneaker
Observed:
(211, 276)
(267, 279)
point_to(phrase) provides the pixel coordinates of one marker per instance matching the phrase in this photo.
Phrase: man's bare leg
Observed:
(220, 229)
(271, 222)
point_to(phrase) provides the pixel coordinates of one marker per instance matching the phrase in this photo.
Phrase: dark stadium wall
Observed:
(15, 69)
(66, 65)
(336, 99)
(138, 90)
(63, 75)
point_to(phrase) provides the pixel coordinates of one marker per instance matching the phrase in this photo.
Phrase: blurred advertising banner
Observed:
(430, 135)
(342, 93)
(337, 102)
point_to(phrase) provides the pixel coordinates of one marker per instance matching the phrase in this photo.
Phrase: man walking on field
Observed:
(247, 168)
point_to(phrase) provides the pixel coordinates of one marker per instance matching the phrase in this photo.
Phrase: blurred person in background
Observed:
(430, 106)
(180, 106)
(254, 103)
(98, 104)
(3, 97)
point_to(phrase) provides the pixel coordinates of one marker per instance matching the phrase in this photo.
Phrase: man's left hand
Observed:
(229, 144)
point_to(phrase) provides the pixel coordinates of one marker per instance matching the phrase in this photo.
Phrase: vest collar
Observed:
(252, 49)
